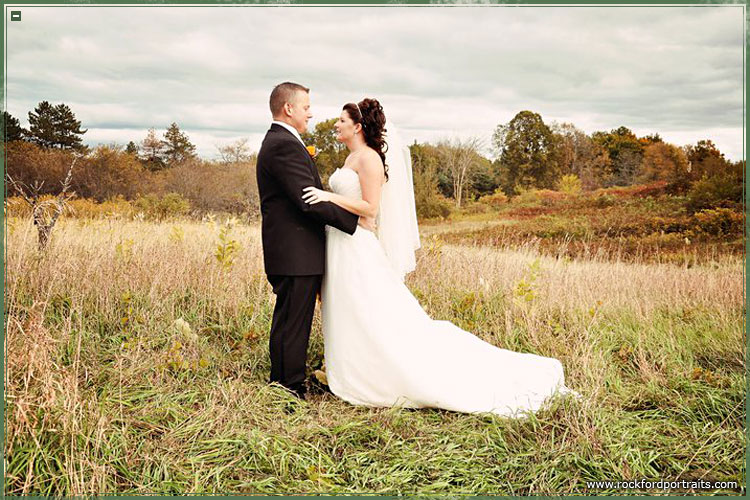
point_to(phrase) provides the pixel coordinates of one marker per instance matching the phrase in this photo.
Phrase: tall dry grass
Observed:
(108, 392)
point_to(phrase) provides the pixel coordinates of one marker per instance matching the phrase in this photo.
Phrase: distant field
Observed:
(108, 393)
(615, 225)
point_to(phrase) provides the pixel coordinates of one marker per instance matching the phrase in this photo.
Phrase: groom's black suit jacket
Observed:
(293, 232)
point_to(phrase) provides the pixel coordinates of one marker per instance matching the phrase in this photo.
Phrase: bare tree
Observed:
(45, 213)
(460, 157)
(153, 152)
(236, 152)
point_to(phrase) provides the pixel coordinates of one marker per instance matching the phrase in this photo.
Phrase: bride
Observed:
(381, 348)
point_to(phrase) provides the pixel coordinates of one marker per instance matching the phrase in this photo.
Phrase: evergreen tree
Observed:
(12, 130)
(42, 125)
(67, 128)
(132, 148)
(177, 146)
(55, 127)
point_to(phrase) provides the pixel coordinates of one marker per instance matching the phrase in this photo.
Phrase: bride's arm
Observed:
(370, 180)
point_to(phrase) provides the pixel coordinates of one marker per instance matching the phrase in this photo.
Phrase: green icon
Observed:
(15, 15)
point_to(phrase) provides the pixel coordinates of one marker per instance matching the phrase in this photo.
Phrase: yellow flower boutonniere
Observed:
(311, 150)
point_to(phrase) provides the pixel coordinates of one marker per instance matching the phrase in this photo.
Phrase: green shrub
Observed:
(475, 207)
(559, 226)
(527, 197)
(718, 222)
(603, 201)
(497, 199)
(549, 197)
(570, 184)
(715, 191)
(433, 207)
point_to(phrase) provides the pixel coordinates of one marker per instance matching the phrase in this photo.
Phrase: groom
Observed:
(293, 232)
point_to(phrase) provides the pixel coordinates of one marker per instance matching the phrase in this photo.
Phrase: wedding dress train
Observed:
(382, 349)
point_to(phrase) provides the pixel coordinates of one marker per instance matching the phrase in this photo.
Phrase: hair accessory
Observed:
(361, 116)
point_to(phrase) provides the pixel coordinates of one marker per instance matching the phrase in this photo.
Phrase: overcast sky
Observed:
(439, 71)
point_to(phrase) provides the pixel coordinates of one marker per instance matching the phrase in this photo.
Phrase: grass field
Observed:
(136, 360)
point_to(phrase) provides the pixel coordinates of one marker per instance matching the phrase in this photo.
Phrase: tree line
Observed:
(49, 127)
(56, 127)
(530, 154)
(526, 154)
(158, 166)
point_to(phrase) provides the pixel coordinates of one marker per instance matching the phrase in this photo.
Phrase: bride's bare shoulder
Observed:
(370, 153)
(370, 159)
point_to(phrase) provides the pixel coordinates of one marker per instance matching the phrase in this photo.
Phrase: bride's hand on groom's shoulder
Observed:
(314, 195)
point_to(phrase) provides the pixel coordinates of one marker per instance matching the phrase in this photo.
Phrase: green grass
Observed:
(105, 395)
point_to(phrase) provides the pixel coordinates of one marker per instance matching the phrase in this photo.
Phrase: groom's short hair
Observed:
(282, 94)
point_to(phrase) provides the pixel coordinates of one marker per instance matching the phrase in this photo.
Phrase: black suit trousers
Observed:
(290, 328)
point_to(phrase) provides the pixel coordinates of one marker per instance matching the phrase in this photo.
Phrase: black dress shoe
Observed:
(298, 390)
(316, 386)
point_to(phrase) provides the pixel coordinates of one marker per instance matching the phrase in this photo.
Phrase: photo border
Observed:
(7, 6)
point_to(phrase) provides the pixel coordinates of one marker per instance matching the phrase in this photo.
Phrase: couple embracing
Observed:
(381, 348)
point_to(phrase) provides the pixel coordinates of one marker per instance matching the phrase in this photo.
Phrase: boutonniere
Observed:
(312, 151)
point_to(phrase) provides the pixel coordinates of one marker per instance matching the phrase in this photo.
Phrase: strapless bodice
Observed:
(345, 181)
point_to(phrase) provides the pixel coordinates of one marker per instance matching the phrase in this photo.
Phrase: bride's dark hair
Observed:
(369, 113)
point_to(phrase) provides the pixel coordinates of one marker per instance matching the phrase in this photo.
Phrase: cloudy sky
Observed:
(439, 71)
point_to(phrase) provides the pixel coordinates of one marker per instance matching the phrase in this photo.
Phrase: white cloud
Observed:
(439, 71)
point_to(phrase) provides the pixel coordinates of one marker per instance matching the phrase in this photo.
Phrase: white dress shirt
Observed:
(290, 129)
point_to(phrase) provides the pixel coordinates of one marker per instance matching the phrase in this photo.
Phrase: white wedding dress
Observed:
(382, 349)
